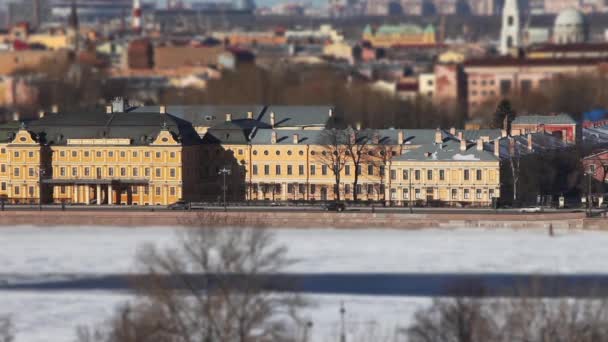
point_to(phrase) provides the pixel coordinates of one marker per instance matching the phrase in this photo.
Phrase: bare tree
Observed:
(514, 164)
(335, 154)
(357, 146)
(7, 329)
(212, 287)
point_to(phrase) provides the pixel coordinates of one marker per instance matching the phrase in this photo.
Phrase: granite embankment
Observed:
(280, 219)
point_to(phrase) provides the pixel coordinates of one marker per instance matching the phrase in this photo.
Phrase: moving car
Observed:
(179, 205)
(335, 206)
(531, 210)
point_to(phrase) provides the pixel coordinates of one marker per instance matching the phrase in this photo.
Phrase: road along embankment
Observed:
(286, 219)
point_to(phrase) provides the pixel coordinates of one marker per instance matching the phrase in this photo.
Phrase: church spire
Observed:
(510, 34)
(73, 18)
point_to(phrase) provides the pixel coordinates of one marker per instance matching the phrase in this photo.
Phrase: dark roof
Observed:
(575, 47)
(94, 123)
(512, 61)
(449, 150)
(206, 115)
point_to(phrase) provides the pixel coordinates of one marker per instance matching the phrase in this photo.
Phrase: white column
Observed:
(75, 197)
(87, 194)
(98, 194)
(110, 195)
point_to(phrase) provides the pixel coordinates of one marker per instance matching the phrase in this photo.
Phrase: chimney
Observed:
(331, 112)
(453, 131)
(108, 109)
(273, 139)
(503, 133)
(249, 115)
(497, 148)
(16, 116)
(137, 22)
(228, 117)
(460, 135)
(529, 142)
(55, 109)
(296, 138)
(479, 145)
(41, 114)
(438, 136)
(163, 110)
(463, 145)
(358, 126)
(400, 138)
(272, 122)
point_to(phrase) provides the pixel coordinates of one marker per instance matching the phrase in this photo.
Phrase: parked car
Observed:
(179, 205)
(531, 210)
(335, 206)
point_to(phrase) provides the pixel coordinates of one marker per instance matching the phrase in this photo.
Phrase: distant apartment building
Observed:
(556, 6)
(561, 126)
(491, 79)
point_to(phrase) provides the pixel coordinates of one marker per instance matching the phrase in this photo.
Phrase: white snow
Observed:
(29, 250)
(465, 157)
(44, 317)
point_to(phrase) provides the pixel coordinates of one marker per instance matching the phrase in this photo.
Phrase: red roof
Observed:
(512, 61)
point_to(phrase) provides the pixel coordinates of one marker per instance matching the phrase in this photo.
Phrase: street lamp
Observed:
(342, 328)
(224, 171)
(589, 199)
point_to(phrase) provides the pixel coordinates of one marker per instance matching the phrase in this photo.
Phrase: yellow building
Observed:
(387, 36)
(103, 158)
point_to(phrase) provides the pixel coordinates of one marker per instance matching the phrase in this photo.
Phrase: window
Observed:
(240, 151)
(505, 87)
(491, 194)
(135, 190)
(289, 170)
(17, 190)
(31, 172)
(158, 172)
(301, 188)
(417, 175)
(442, 175)
(61, 154)
(405, 175)
(2, 150)
(62, 171)
(454, 194)
(370, 189)
(393, 194)
(478, 175)
(123, 154)
(111, 171)
(134, 154)
(74, 172)
(111, 154)
(172, 191)
(3, 186)
(324, 170)
(347, 170)
(277, 170)
(478, 194)
(172, 173)
(313, 189)
(406, 194)
(266, 170)
(87, 172)
(510, 21)
(418, 194)
(98, 172)
(313, 170)
(30, 154)
(147, 172)
(393, 174)
(359, 189)
(359, 170)
(466, 193)
(157, 154)
(466, 175)
(346, 189)
(147, 154)
(98, 154)
(16, 154)
(172, 155)
(135, 172)
(157, 191)
(146, 190)
(301, 169)
(592, 168)
(370, 169)
(31, 191)
(429, 175)
(87, 154)
(74, 154)
(290, 188)
(382, 170)
(525, 87)
(62, 189)
(255, 170)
